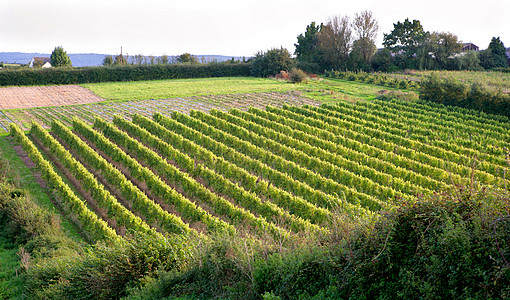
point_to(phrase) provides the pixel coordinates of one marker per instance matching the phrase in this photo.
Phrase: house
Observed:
(469, 47)
(42, 62)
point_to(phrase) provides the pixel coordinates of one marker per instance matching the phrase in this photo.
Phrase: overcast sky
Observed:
(238, 28)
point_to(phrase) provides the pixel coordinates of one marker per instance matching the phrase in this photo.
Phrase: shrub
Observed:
(120, 73)
(297, 75)
(404, 96)
(271, 62)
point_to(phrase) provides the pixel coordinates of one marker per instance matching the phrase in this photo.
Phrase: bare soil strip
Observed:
(39, 96)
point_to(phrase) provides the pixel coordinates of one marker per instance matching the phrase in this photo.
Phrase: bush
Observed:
(120, 73)
(403, 96)
(297, 75)
(452, 245)
(271, 62)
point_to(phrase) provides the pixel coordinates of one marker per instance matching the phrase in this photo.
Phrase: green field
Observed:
(161, 89)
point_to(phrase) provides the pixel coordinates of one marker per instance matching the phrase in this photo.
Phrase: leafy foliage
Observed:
(59, 58)
(187, 58)
(270, 63)
(495, 55)
(405, 39)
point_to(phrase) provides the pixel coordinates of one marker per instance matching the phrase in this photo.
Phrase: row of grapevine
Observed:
(116, 212)
(327, 141)
(487, 170)
(328, 170)
(423, 128)
(187, 209)
(362, 142)
(436, 157)
(135, 199)
(219, 183)
(279, 179)
(266, 191)
(92, 226)
(451, 114)
(314, 180)
(285, 136)
(191, 187)
(465, 113)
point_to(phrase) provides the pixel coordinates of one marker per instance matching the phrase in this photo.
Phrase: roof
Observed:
(43, 59)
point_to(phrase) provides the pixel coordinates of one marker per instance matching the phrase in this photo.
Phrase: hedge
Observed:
(21, 77)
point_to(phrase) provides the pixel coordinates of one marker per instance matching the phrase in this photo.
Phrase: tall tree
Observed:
(108, 60)
(271, 62)
(59, 58)
(307, 44)
(187, 58)
(495, 55)
(121, 60)
(335, 41)
(163, 59)
(442, 46)
(405, 39)
(366, 28)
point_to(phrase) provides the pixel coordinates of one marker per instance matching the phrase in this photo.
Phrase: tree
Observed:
(405, 39)
(469, 61)
(442, 46)
(334, 41)
(366, 28)
(494, 56)
(163, 59)
(137, 59)
(271, 62)
(59, 58)
(307, 44)
(382, 60)
(187, 58)
(108, 60)
(120, 60)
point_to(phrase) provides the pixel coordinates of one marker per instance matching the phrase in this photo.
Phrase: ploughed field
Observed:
(276, 172)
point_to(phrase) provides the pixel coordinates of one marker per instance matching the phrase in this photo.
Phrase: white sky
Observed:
(223, 27)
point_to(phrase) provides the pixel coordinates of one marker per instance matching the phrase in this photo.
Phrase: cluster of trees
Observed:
(345, 43)
(140, 59)
(338, 44)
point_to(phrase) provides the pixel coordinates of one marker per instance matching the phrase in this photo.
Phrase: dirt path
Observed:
(38, 96)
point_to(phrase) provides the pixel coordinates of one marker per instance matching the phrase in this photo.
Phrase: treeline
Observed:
(121, 73)
(345, 43)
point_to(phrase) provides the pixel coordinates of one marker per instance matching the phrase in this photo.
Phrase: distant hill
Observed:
(92, 59)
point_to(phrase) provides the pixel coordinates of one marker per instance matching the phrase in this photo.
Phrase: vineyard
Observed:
(278, 172)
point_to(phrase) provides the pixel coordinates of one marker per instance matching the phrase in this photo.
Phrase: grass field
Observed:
(162, 89)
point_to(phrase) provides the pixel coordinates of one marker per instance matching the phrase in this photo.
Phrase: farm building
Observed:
(43, 62)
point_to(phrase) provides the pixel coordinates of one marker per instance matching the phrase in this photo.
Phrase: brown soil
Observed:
(38, 96)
